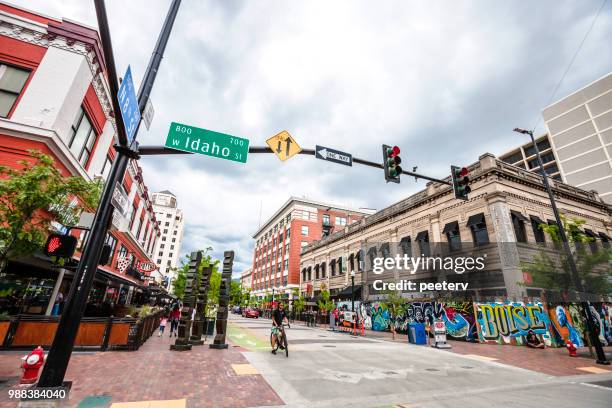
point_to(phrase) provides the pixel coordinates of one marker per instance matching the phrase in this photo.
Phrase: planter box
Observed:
(4, 326)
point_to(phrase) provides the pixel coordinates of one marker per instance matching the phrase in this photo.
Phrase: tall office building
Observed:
(580, 129)
(525, 157)
(171, 224)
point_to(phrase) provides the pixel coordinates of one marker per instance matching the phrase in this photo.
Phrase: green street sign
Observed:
(207, 142)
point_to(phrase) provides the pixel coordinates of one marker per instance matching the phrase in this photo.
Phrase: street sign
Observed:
(128, 104)
(148, 114)
(120, 199)
(283, 145)
(334, 156)
(207, 142)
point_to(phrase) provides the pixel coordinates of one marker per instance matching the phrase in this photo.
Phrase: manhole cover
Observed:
(431, 369)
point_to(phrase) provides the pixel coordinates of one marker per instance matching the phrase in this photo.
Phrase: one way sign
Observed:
(332, 155)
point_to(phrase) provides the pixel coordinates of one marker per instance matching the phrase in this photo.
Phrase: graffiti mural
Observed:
(509, 323)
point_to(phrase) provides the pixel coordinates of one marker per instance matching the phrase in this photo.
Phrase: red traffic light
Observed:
(463, 172)
(61, 246)
(394, 151)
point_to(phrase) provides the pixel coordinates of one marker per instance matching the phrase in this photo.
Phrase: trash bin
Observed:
(416, 333)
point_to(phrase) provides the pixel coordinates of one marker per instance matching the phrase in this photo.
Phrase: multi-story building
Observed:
(580, 129)
(525, 157)
(171, 224)
(502, 219)
(279, 240)
(55, 99)
(246, 278)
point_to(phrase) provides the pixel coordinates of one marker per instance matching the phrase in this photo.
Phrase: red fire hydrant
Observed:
(571, 347)
(31, 365)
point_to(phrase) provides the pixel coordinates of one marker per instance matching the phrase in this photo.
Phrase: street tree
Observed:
(34, 194)
(299, 302)
(550, 269)
(394, 303)
(325, 303)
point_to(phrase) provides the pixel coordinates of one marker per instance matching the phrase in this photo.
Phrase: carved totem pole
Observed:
(224, 292)
(182, 342)
(200, 307)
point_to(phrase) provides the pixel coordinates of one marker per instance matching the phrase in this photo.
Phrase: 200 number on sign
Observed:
(207, 142)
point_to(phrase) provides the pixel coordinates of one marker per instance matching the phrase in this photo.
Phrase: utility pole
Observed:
(61, 350)
(601, 355)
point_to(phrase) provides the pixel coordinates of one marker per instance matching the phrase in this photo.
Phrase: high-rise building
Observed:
(580, 129)
(525, 157)
(171, 224)
(279, 241)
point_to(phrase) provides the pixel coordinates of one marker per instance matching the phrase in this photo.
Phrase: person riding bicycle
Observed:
(278, 317)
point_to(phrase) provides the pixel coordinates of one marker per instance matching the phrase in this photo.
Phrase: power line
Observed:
(571, 61)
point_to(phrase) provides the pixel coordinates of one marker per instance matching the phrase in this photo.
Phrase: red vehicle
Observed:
(249, 312)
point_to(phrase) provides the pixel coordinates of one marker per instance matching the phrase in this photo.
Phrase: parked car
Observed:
(236, 310)
(249, 312)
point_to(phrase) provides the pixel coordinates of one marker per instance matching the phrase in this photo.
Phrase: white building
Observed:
(246, 279)
(171, 224)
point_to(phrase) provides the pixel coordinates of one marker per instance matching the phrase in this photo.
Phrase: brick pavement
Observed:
(205, 377)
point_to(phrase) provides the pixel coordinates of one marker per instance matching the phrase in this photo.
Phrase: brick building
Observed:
(55, 99)
(502, 218)
(279, 240)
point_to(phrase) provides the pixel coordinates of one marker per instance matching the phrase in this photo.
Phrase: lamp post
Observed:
(353, 291)
(601, 356)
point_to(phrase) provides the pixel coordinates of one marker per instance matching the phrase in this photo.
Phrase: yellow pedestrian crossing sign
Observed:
(283, 145)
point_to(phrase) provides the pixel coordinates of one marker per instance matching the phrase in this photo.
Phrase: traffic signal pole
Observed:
(601, 355)
(160, 150)
(55, 368)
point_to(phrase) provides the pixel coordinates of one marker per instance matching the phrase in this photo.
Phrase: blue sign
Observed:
(333, 155)
(129, 105)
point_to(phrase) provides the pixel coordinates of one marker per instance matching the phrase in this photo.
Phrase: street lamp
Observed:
(601, 356)
(353, 291)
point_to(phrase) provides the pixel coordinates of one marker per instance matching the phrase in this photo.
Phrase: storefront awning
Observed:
(422, 236)
(346, 293)
(475, 219)
(589, 233)
(536, 220)
(450, 227)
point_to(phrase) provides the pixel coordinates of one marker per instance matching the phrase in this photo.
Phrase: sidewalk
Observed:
(203, 377)
(551, 361)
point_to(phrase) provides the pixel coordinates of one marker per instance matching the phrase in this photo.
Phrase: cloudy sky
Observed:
(446, 81)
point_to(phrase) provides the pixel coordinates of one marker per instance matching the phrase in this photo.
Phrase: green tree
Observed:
(235, 292)
(394, 303)
(33, 195)
(550, 269)
(325, 303)
(299, 304)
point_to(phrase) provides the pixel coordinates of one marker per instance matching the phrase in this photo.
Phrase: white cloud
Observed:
(446, 81)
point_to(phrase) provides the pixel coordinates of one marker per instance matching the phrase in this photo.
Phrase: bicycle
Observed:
(281, 338)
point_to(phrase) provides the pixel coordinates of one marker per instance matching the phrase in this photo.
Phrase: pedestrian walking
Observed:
(175, 316)
(334, 318)
(162, 325)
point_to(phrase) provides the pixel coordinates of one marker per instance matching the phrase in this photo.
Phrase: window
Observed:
(108, 162)
(133, 216)
(326, 219)
(158, 261)
(304, 243)
(305, 215)
(174, 233)
(288, 217)
(163, 238)
(166, 231)
(81, 137)
(538, 233)
(518, 223)
(160, 253)
(423, 239)
(479, 229)
(340, 221)
(286, 265)
(452, 235)
(406, 245)
(305, 230)
(171, 246)
(288, 233)
(168, 216)
(173, 239)
(12, 81)
(166, 224)
(122, 253)
(162, 246)
(170, 254)
(112, 241)
(513, 158)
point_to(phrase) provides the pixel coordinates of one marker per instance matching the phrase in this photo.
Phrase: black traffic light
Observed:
(391, 163)
(460, 182)
(61, 246)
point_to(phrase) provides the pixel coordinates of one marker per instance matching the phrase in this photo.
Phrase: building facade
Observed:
(525, 157)
(580, 129)
(171, 225)
(279, 240)
(55, 100)
(246, 279)
(501, 222)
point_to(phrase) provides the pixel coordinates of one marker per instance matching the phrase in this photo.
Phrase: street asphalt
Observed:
(328, 369)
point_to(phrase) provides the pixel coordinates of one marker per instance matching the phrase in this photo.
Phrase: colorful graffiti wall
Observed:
(509, 322)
